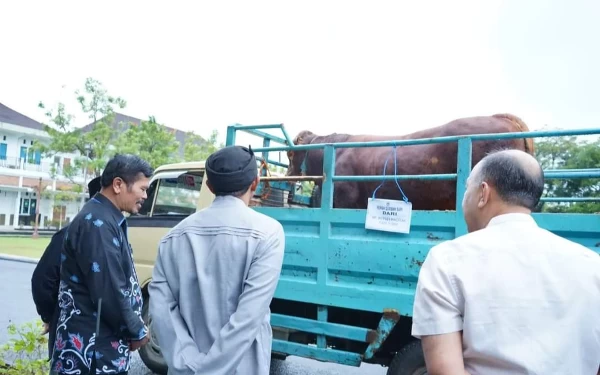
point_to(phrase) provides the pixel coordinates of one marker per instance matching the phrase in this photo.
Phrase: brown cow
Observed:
(436, 158)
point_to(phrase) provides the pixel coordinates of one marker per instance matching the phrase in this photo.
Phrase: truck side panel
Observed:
(332, 260)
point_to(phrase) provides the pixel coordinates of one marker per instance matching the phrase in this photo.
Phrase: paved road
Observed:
(17, 306)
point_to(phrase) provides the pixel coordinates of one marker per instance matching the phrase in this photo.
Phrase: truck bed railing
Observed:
(462, 153)
(323, 233)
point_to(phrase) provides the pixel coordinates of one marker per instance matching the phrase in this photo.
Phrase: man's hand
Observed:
(45, 328)
(136, 344)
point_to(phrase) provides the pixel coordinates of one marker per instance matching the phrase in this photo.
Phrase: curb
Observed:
(16, 258)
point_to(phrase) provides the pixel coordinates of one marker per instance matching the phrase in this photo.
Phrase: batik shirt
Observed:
(97, 263)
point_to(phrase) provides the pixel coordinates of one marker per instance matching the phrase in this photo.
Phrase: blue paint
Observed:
(463, 169)
(327, 355)
(331, 260)
(322, 318)
(320, 327)
(426, 141)
(569, 199)
(385, 327)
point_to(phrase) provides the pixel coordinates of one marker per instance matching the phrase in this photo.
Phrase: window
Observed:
(3, 147)
(28, 206)
(34, 157)
(178, 195)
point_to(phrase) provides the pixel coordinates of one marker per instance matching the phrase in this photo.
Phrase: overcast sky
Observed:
(326, 66)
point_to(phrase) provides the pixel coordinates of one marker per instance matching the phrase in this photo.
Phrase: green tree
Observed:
(93, 144)
(196, 148)
(570, 153)
(150, 141)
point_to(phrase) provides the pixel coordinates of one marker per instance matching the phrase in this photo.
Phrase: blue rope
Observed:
(395, 175)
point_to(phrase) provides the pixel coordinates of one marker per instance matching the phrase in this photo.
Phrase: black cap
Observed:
(231, 169)
(94, 186)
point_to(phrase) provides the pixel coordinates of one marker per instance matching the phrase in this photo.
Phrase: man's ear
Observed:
(255, 183)
(118, 185)
(485, 192)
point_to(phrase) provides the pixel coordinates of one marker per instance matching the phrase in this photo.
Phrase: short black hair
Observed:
(127, 167)
(236, 194)
(515, 183)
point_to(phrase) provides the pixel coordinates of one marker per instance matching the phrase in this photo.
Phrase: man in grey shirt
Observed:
(215, 275)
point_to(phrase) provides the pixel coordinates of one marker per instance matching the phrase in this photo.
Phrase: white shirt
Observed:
(214, 278)
(527, 301)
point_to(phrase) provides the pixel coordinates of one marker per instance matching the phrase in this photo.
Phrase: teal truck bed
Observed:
(346, 293)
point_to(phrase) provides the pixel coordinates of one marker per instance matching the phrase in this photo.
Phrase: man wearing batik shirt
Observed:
(97, 264)
(45, 279)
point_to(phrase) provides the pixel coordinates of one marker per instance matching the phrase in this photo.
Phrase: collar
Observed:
(115, 213)
(512, 218)
(228, 201)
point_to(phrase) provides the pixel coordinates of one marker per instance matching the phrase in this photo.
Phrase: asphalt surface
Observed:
(17, 306)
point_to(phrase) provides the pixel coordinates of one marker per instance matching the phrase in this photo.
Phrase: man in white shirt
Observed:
(509, 297)
(215, 275)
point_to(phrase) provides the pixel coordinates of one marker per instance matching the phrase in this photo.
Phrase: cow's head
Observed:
(296, 158)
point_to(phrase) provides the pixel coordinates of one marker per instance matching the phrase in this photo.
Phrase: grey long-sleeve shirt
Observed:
(213, 281)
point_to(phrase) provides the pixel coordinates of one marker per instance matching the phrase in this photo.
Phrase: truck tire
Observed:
(408, 361)
(274, 199)
(150, 353)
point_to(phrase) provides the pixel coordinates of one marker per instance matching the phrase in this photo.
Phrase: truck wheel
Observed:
(150, 353)
(274, 198)
(408, 361)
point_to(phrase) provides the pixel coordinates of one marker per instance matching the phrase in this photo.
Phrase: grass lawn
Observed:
(24, 246)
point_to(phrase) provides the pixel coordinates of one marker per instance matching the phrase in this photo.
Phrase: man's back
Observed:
(528, 299)
(206, 261)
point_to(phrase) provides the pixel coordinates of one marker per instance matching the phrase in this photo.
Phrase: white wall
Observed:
(13, 165)
(7, 205)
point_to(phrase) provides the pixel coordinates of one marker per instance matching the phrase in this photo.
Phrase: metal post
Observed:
(37, 209)
(328, 173)
(230, 140)
(463, 169)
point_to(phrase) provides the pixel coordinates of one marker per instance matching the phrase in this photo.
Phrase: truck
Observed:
(345, 293)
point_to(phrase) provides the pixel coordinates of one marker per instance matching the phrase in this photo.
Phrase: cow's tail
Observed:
(529, 146)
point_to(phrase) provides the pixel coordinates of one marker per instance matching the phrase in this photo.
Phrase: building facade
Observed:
(24, 173)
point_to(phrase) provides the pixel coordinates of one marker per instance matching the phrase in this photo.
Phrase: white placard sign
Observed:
(388, 215)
